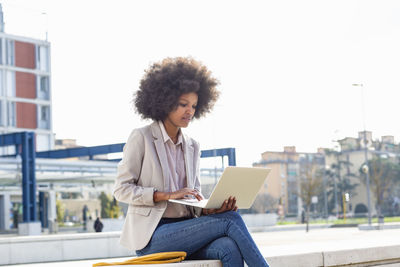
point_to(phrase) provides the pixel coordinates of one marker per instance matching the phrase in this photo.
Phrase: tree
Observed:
(263, 203)
(384, 175)
(109, 206)
(60, 210)
(339, 172)
(310, 186)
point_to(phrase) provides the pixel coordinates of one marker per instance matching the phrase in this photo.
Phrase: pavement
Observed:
(275, 244)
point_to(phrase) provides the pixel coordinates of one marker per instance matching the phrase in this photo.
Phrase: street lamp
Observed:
(325, 193)
(365, 167)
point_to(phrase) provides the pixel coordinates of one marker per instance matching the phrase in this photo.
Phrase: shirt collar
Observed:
(166, 136)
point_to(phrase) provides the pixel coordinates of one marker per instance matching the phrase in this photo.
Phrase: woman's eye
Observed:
(194, 107)
(182, 105)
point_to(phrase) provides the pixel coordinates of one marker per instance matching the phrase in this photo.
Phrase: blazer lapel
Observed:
(162, 154)
(188, 155)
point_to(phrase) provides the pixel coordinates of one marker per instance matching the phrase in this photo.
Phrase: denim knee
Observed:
(234, 216)
(228, 251)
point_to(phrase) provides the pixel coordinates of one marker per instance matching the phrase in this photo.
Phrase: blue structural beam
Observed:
(43, 200)
(115, 148)
(28, 177)
(24, 143)
(220, 152)
(81, 151)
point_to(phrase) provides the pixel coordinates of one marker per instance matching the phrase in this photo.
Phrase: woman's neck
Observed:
(171, 130)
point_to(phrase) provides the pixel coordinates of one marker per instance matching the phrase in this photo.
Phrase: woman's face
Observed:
(183, 114)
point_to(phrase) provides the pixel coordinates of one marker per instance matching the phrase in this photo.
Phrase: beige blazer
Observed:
(143, 169)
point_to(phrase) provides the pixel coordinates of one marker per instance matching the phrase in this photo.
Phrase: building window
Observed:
(43, 87)
(10, 83)
(283, 170)
(11, 114)
(42, 58)
(10, 55)
(44, 117)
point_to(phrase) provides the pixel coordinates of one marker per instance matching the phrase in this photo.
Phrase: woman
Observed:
(161, 163)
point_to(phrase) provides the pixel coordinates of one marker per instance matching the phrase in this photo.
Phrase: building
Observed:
(341, 175)
(350, 158)
(25, 88)
(283, 182)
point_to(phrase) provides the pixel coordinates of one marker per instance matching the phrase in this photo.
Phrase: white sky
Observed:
(285, 67)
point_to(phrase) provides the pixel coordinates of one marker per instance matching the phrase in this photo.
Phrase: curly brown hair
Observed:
(164, 82)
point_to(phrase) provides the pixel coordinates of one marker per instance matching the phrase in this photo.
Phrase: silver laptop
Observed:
(239, 182)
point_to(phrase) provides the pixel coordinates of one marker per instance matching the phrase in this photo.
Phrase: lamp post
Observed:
(325, 194)
(365, 167)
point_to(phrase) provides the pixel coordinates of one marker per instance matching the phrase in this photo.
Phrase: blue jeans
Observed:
(222, 236)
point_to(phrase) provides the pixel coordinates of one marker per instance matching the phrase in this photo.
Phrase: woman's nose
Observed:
(190, 110)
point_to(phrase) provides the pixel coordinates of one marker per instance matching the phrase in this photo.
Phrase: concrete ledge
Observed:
(32, 249)
(299, 260)
(295, 227)
(52, 248)
(29, 228)
(355, 257)
(377, 226)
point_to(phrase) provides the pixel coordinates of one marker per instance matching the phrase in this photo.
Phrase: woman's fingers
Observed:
(233, 203)
(188, 193)
(227, 205)
(230, 204)
(223, 207)
(198, 196)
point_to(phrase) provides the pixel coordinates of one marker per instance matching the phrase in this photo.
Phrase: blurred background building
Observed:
(342, 186)
(283, 184)
(25, 88)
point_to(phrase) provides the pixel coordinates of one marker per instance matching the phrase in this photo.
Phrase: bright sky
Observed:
(286, 67)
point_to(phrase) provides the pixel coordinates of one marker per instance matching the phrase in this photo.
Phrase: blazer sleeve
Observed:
(197, 211)
(126, 188)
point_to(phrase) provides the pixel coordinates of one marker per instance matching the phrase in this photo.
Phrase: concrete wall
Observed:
(352, 257)
(32, 249)
(16, 250)
(111, 225)
(258, 220)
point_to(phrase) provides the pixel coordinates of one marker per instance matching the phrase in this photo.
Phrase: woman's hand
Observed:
(228, 205)
(182, 193)
(185, 193)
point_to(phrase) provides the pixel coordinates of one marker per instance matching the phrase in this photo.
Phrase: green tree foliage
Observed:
(262, 204)
(340, 173)
(384, 176)
(60, 208)
(109, 206)
(310, 186)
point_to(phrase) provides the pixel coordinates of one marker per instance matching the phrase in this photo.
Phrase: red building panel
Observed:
(24, 55)
(25, 85)
(26, 115)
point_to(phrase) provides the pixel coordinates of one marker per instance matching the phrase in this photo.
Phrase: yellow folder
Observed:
(156, 258)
